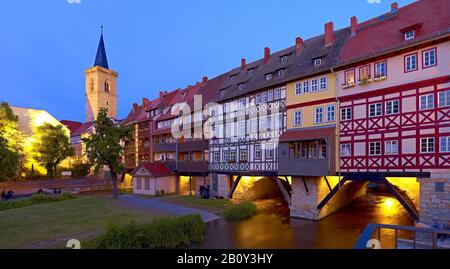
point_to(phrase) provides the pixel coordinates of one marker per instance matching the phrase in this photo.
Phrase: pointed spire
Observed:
(100, 59)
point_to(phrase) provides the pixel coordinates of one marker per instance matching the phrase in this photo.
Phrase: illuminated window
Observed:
(364, 73)
(349, 77)
(243, 155)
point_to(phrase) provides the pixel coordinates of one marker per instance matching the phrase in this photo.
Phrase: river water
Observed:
(272, 228)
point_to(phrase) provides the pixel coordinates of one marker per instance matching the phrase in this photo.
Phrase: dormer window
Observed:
(281, 72)
(268, 76)
(222, 92)
(284, 59)
(318, 62)
(232, 77)
(410, 35)
(250, 72)
(241, 86)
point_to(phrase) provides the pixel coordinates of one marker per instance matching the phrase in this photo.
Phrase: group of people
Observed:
(7, 195)
(204, 192)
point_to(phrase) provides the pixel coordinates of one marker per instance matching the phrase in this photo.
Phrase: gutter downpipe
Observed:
(338, 133)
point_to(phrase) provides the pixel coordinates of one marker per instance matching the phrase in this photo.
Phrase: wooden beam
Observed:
(304, 184)
(283, 190)
(233, 187)
(328, 183)
(332, 193)
(402, 201)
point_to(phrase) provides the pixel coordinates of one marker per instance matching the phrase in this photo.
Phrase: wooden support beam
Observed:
(305, 185)
(233, 187)
(283, 190)
(328, 183)
(332, 193)
(402, 201)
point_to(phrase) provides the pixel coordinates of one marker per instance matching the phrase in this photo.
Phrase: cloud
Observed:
(74, 1)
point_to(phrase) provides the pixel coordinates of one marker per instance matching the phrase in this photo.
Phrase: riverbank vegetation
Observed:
(34, 200)
(161, 233)
(240, 211)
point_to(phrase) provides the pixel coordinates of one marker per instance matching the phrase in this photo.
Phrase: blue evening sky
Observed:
(46, 45)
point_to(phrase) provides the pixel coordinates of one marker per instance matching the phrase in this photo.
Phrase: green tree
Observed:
(11, 139)
(103, 147)
(52, 147)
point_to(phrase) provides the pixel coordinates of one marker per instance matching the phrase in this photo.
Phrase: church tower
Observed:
(101, 86)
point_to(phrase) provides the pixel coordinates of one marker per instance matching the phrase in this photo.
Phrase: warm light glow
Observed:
(334, 180)
(389, 207)
(410, 185)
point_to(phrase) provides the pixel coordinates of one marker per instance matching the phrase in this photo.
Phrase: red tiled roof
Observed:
(383, 33)
(155, 169)
(83, 128)
(307, 134)
(72, 125)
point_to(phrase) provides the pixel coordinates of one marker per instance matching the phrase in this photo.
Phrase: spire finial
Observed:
(101, 28)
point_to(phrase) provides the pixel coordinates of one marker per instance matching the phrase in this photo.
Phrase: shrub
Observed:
(240, 211)
(161, 233)
(34, 200)
(80, 170)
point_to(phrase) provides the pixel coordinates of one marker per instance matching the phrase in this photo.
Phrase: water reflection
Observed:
(273, 228)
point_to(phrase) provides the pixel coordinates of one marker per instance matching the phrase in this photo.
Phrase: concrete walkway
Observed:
(158, 204)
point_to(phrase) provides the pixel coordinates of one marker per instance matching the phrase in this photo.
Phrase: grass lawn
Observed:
(50, 225)
(213, 205)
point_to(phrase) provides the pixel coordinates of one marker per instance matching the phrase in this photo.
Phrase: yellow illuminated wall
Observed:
(29, 121)
(96, 96)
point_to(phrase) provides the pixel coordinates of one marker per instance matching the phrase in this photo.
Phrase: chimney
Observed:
(144, 102)
(394, 7)
(135, 106)
(161, 94)
(329, 33)
(243, 64)
(354, 25)
(204, 79)
(298, 45)
(266, 54)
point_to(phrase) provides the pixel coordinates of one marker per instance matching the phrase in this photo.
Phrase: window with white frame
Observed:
(264, 97)
(331, 113)
(346, 150)
(269, 124)
(380, 69)
(280, 121)
(254, 126)
(444, 98)
(427, 145)
(314, 149)
(427, 101)
(243, 155)
(391, 147)
(269, 152)
(317, 61)
(258, 99)
(411, 62)
(258, 152)
(216, 156)
(297, 118)
(242, 103)
(241, 86)
(262, 124)
(298, 88)
(392, 107)
(445, 144)
(277, 94)
(375, 110)
(228, 130)
(375, 148)
(284, 59)
(323, 83)
(268, 76)
(250, 72)
(346, 113)
(410, 35)
(314, 85)
(232, 156)
(281, 72)
(306, 86)
(225, 156)
(318, 115)
(241, 130)
(270, 96)
(429, 58)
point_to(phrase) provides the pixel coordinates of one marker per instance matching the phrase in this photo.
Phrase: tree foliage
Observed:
(11, 139)
(52, 147)
(104, 148)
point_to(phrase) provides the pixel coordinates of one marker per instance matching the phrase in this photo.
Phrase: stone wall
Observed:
(304, 204)
(435, 199)
(223, 187)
